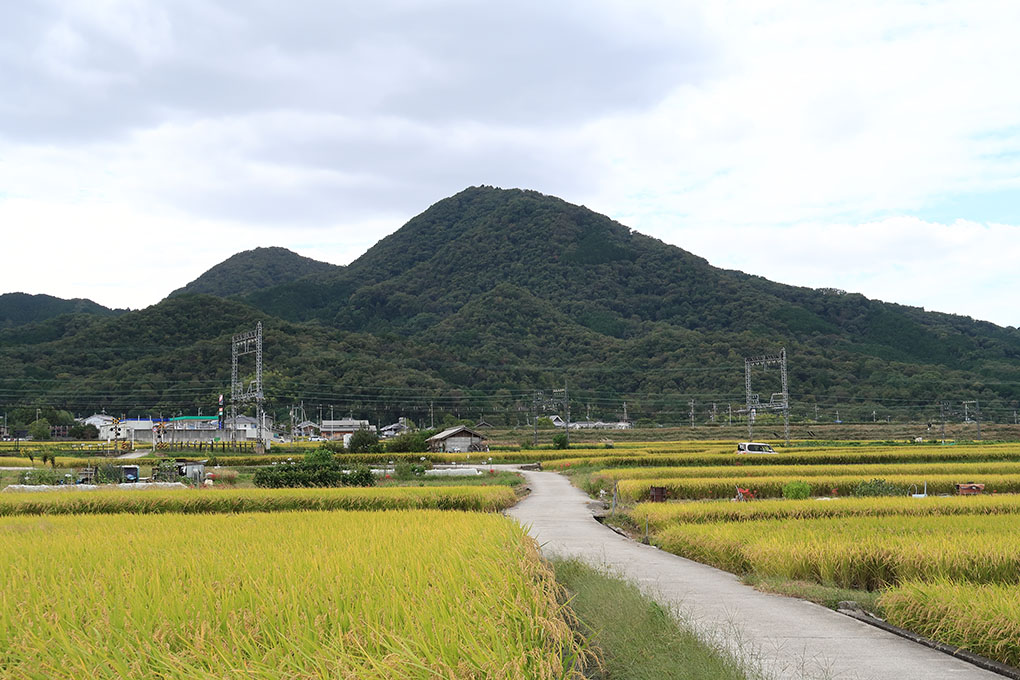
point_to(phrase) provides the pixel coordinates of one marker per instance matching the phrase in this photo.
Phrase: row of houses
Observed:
(591, 424)
(246, 428)
(179, 429)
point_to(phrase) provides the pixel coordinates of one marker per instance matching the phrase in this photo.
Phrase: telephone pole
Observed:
(692, 414)
(977, 415)
(942, 417)
(566, 409)
(534, 419)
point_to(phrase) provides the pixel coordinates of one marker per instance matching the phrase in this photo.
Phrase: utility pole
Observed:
(977, 415)
(566, 409)
(625, 412)
(692, 414)
(566, 398)
(816, 413)
(713, 411)
(432, 416)
(248, 342)
(534, 419)
(729, 414)
(780, 404)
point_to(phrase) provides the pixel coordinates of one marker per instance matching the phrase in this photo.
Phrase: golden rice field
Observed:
(750, 471)
(860, 552)
(399, 594)
(662, 515)
(191, 501)
(946, 567)
(984, 618)
(724, 455)
(824, 485)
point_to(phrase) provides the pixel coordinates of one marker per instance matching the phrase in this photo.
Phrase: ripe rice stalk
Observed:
(399, 594)
(661, 515)
(772, 487)
(858, 552)
(201, 501)
(984, 619)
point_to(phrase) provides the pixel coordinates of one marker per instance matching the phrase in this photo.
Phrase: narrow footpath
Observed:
(784, 637)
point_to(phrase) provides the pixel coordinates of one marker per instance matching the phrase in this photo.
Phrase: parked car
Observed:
(754, 447)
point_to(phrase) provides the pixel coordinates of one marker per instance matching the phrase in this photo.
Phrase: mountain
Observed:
(17, 309)
(253, 270)
(492, 294)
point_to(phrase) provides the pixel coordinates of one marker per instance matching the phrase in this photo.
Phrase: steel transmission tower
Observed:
(780, 401)
(248, 342)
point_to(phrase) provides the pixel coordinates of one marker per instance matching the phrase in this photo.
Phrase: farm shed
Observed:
(457, 440)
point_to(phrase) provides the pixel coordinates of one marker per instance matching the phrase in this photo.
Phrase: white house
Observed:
(97, 420)
(458, 439)
(336, 429)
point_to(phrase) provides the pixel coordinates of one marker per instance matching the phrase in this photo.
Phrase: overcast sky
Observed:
(872, 146)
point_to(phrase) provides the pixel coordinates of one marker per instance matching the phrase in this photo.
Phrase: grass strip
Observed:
(636, 637)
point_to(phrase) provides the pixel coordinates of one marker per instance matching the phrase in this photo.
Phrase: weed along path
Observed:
(785, 637)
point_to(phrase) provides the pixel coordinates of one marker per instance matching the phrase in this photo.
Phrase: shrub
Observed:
(878, 487)
(409, 442)
(364, 441)
(305, 475)
(405, 471)
(796, 490)
(561, 441)
(40, 476)
(40, 430)
(109, 474)
(224, 476)
(320, 456)
(166, 471)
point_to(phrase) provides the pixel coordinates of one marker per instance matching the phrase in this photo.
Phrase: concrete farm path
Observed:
(784, 637)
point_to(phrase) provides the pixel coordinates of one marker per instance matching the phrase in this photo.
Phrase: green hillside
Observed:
(17, 309)
(492, 294)
(253, 270)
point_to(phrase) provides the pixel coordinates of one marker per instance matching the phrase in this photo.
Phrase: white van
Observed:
(754, 447)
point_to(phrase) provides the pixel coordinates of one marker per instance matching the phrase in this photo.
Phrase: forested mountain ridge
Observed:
(492, 294)
(253, 270)
(17, 309)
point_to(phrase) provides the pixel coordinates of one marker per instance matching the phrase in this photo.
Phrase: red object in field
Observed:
(744, 495)
(970, 489)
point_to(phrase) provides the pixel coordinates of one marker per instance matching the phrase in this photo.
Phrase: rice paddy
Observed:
(281, 595)
(944, 565)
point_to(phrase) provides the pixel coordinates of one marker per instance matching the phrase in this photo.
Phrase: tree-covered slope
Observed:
(253, 270)
(490, 295)
(17, 309)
